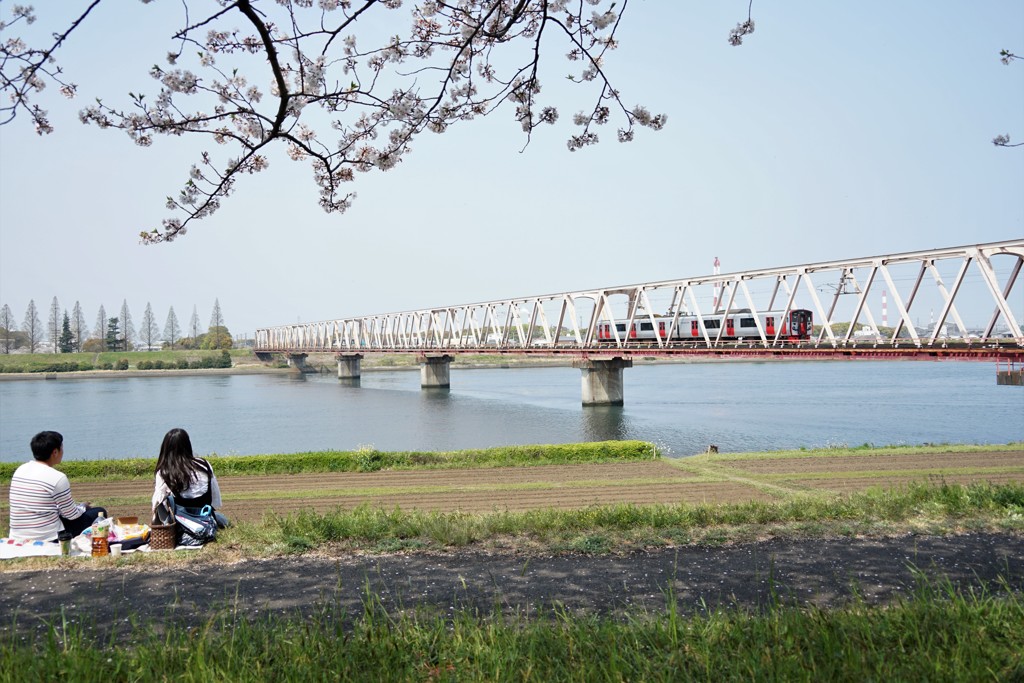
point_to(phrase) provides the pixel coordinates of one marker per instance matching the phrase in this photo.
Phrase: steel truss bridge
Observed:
(915, 304)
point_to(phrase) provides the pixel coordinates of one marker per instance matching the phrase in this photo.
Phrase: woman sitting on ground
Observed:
(190, 479)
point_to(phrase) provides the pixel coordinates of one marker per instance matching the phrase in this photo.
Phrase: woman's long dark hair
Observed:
(176, 462)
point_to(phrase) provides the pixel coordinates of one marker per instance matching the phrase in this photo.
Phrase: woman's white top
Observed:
(197, 488)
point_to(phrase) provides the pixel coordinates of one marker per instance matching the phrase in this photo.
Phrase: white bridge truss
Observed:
(936, 297)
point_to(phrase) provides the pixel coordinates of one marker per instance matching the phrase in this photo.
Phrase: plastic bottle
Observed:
(100, 530)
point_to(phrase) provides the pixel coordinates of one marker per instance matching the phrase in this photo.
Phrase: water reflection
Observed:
(604, 423)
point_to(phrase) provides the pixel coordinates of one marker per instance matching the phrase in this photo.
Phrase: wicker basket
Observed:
(162, 536)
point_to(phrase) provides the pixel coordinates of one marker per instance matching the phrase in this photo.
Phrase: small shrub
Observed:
(592, 544)
(85, 366)
(369, 459)
(106, 366)
(158, 365)
(122, 364)
(143, 365)
(182, 364)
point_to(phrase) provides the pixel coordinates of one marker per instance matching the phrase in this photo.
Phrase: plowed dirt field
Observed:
(702, 479)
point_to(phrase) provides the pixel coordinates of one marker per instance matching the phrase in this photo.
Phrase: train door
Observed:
(769, 325)
(694, 329)
(730, 331)
(801, 324)
(661, 329)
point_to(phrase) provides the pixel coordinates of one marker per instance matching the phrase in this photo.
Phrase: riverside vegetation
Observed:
(120, 360)
(939, 633)
(193, 359)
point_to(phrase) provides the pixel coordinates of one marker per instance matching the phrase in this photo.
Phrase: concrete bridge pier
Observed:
(297, 362)
(349, 366)
(602, 380)
(435, 372)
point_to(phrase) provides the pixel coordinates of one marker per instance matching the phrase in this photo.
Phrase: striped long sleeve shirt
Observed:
(40, 496)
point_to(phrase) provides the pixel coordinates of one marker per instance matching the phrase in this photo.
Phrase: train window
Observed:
(621, 327)
(646, 327)
(712, 324)
(747, 322)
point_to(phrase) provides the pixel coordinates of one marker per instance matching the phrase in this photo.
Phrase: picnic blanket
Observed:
(12, 548)
(15, 547)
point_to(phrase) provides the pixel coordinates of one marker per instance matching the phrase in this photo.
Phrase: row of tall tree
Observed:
(68, 332)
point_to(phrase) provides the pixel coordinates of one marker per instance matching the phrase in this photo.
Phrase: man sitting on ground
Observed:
(41, 502)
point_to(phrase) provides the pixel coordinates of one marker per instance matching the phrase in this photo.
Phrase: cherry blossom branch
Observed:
(1006, 57)
(27, 79)
(321, 85)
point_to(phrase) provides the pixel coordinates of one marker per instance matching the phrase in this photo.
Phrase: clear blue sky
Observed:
(840, 129)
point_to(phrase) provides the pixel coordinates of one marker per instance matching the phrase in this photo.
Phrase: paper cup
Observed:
(115, 550)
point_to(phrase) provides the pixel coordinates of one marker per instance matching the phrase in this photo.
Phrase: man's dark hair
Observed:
(45, 443)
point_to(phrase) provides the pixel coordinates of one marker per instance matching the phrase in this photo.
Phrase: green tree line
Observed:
(69, 332)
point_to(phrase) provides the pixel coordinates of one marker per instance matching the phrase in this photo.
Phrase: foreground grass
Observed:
(939, 634)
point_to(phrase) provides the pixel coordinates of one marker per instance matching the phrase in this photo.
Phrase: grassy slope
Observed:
(933, 507)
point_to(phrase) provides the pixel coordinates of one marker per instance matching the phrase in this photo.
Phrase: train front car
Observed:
(801, 322)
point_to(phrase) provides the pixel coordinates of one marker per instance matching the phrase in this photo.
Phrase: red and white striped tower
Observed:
(718, 285)
(885, 312)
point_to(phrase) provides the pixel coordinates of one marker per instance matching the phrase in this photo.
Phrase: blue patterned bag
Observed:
(196, 526)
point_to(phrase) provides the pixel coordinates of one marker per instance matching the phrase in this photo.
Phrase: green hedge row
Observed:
(44, 363)
(69, 366)
(221, 361)
(368, 460)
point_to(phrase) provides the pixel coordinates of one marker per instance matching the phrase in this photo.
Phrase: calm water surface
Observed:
(682, 408)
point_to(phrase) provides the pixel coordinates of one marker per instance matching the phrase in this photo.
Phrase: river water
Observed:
(738, 406)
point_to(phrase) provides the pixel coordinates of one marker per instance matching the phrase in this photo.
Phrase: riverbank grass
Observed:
(366, 459)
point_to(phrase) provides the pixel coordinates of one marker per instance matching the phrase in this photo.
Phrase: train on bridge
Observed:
(794, 326)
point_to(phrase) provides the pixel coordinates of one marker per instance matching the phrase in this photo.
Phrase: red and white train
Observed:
(738, 324)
